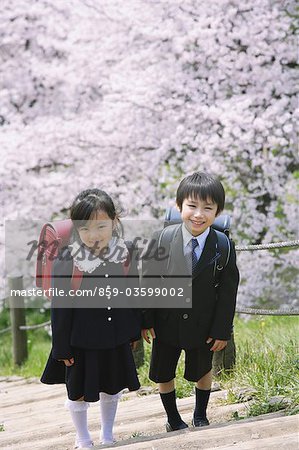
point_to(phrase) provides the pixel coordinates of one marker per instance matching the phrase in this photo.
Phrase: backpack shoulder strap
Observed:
(167, 234)
(127, 263)
(166, 237)
(223, 247)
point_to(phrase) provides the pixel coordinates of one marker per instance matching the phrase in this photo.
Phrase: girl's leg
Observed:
(78, 411)
(108, 406)
(168, 398)
(202, 394)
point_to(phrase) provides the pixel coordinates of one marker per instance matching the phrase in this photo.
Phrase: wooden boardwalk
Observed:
(33, 417)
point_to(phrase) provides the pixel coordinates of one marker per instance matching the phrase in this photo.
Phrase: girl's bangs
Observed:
(82, 213)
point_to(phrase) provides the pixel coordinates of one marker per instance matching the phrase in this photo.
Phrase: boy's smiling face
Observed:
(198, 214)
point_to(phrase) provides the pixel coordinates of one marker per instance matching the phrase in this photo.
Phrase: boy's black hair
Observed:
(201, 185)
(90, 201)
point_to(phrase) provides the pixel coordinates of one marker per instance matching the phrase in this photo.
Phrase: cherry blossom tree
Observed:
(131, 96)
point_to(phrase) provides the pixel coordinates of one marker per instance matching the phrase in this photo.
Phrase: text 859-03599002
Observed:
(141, 291)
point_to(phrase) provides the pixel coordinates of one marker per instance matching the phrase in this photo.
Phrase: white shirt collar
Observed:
(87, 262)
(201, 238)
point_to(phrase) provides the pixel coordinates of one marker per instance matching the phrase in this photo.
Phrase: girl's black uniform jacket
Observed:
(102, 327)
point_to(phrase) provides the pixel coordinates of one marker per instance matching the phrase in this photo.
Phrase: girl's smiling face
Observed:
(96, 232)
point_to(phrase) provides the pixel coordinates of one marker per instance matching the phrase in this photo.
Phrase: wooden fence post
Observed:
(17, 318)
(226, 358)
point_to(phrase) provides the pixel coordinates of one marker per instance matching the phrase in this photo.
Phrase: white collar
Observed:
(201, 238)
(87, 262)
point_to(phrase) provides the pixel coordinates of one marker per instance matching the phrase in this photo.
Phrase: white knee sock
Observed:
(108, 406)
(78, 410)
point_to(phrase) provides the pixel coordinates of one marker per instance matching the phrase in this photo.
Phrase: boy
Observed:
(206, 327)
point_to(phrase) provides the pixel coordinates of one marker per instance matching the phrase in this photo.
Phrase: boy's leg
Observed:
(78, 411)
(198, 368)
(164, 360)
(168, 398)
(202, 394)
(165, 388)
(205, 382)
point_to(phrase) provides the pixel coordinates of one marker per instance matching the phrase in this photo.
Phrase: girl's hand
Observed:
(68, 362)
(218, 345)
(146, 337)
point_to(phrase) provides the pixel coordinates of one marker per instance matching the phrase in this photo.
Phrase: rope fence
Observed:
(35, 327)
(268, 312)
(242, 248)
(5, 330)
(251, 311)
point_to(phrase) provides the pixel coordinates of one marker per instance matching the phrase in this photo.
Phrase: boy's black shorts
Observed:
(164, 359)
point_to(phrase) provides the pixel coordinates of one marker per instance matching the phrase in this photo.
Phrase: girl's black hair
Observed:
(88, 202)
(201, 185)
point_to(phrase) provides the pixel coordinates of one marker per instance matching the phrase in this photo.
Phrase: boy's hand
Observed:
(68, 362)
(146, 337)
(218, 345)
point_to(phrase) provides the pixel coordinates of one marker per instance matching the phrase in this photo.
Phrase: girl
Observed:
(91, 347)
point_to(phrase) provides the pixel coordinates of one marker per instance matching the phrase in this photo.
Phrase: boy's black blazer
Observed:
(212, 309)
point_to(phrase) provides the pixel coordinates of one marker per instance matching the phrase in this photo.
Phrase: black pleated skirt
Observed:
(94, 371)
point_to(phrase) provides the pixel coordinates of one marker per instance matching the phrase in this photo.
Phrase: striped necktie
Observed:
(194, 257)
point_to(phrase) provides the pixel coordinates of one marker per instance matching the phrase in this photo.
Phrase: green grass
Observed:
(38, 344)
(267, 362)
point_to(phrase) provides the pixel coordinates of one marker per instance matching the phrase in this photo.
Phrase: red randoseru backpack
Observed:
(55, 236)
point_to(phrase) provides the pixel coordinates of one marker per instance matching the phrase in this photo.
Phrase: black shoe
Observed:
(181, 426)
(200, 422)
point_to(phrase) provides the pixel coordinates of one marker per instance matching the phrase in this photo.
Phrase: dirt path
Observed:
(34, 418)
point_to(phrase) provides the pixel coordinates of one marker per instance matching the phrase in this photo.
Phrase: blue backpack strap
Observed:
(166, 236)
(223, 247)
(127, 263)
